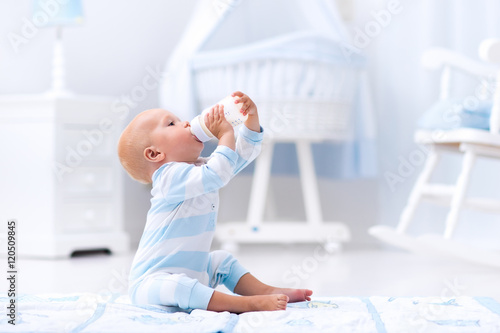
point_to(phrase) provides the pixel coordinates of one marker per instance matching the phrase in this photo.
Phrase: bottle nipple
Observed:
(199, 129)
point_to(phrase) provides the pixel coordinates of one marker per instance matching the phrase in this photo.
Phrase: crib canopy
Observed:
(228, 31)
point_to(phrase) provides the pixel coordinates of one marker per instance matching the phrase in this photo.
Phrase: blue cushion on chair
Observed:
(452, 114)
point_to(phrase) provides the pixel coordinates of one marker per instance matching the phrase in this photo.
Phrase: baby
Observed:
(173, 265)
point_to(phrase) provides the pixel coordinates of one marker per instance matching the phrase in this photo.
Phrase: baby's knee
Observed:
(221, 261)
(219, 255)
(171, 290)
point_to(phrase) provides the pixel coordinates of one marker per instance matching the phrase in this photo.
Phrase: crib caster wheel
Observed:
(332, 247)
(231, 247)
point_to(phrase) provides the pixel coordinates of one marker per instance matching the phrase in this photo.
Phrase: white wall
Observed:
(402, 91)
(108, 54)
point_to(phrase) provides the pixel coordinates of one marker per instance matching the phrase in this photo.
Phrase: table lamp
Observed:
(58, 14)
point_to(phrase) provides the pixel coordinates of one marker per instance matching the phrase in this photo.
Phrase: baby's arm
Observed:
(182, 181)
(250, 135)
(227, 160)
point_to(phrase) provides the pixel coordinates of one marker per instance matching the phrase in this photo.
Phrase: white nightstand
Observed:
(60, 175)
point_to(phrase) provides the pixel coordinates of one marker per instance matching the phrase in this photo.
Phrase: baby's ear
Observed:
(153, 155)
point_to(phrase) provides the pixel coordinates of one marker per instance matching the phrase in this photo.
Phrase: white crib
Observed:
(301, 99)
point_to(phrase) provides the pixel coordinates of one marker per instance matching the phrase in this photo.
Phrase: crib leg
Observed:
(309, 183)
(458, 198)
(260, 184)
(417, 192)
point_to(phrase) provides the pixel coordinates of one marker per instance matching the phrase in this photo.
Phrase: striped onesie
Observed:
(173, 265)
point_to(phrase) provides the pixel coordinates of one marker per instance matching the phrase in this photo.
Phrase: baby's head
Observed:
(153, 138)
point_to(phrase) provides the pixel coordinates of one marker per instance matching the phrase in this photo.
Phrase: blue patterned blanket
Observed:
(114, 313)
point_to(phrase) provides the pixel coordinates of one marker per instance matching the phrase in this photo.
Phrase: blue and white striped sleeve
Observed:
(248, 146)
(181, 181)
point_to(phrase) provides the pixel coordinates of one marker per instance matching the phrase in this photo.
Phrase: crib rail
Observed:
(296, 98)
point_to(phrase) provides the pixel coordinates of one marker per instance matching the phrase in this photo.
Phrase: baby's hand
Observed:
(216, 122)
(248, 106)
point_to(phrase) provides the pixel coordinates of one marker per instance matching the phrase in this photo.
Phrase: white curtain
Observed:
(402, 91)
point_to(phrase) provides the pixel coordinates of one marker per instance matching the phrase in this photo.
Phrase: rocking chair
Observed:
(470, 143)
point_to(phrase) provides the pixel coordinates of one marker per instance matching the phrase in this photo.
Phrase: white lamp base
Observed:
(58, 88)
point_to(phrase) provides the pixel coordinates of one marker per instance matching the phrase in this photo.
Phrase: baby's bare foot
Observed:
(269, 302)
(295, 295)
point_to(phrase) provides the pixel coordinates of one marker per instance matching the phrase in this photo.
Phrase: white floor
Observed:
(350, 273)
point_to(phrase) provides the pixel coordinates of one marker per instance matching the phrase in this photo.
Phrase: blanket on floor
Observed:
(115, 313)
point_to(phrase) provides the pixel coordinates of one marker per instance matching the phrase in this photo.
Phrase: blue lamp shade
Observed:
(59, 12)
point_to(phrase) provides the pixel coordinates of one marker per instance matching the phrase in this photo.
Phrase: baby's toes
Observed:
(282, 302)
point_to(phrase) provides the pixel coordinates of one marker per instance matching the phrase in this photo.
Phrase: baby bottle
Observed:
(231, 112)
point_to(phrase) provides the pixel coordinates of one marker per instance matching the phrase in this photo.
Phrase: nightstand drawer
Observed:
(88, 179)
(87, 217)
